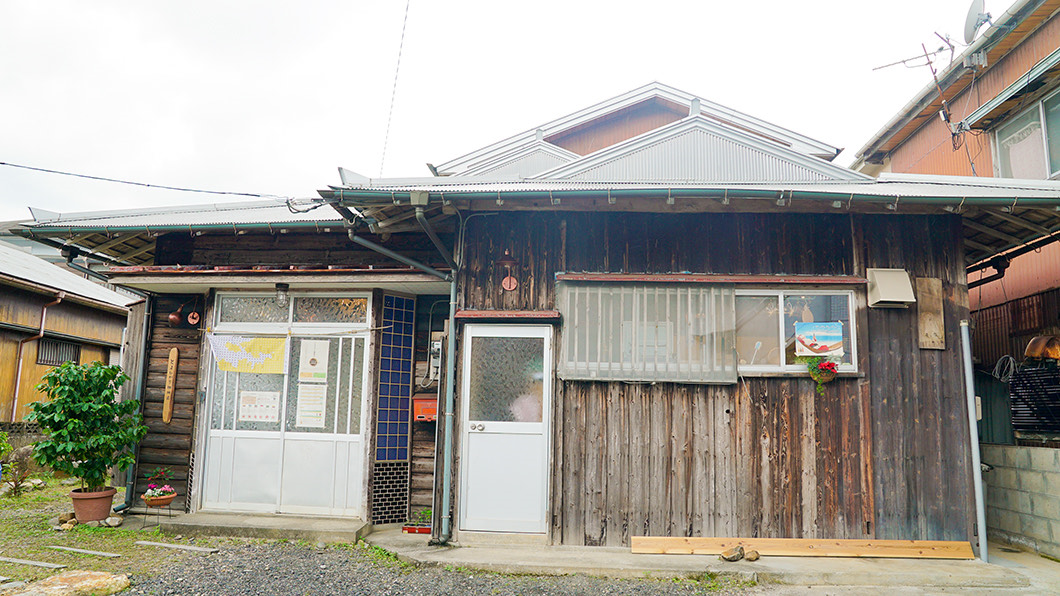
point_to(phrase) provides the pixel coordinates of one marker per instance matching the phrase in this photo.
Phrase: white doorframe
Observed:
(359, 451)
(535, 434)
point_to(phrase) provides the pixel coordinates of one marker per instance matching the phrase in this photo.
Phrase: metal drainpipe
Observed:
(973, 433)
(18, 357)
(130, 476)
(450, 396)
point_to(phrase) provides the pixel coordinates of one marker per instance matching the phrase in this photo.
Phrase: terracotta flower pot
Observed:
(158, 501)
(92, 506)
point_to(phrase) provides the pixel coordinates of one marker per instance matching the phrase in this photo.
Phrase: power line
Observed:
(142, 184)
(393, 90)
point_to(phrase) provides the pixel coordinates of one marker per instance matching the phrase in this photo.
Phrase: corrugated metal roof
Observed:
(260, 212)
(24, 266)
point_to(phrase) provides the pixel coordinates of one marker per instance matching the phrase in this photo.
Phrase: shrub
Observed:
(87, 429)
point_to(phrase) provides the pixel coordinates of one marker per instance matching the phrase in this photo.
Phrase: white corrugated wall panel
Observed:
(698, 156)
(524, 166)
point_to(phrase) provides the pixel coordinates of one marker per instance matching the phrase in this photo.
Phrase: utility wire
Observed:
(393, 90)
(143, 184)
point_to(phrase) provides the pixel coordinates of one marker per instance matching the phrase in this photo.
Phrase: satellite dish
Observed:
(975, 19)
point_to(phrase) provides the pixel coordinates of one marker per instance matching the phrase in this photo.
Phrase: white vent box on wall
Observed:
(890, 288)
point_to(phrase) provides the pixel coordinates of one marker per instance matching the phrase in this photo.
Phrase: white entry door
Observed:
(286, 422)
(507, 395)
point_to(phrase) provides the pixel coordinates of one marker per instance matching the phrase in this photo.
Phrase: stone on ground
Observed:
(752, 555)
(733, 554)
(65, 517)
(70, 482)
(76, 583)
(113, 521)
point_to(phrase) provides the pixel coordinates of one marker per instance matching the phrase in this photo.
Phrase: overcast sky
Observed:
(270, 97)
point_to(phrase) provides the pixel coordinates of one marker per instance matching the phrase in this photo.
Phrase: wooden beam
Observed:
(992, 232)
(980, 246)
(120, 239)
(139, 251)
(805, 547)
(32, 563)
(1019, 221)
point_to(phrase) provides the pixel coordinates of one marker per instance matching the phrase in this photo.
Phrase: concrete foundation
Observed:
(258, 525)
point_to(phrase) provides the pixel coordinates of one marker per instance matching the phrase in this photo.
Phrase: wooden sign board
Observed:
(171, 386)
(930, 324)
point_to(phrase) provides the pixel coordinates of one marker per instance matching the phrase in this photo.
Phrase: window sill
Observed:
(791, 374)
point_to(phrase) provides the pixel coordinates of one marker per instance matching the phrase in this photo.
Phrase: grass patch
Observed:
(26, 533)
(382, 557)
(711, 582)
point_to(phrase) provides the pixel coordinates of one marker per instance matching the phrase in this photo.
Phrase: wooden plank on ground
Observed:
(198, 549)
(805, 547)
(85, 552)
(33, 563)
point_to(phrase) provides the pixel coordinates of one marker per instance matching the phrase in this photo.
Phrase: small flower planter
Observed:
(158, 501)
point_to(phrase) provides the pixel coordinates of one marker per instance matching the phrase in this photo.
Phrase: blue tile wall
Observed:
(395, 379)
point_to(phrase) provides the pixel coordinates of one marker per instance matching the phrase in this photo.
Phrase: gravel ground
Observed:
(280, 567)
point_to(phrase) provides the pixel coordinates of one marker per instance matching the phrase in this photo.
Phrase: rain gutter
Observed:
(387, 197)
(973, 435)
(21, 344)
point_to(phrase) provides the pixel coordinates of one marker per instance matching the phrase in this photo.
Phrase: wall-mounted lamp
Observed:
(282, 293)
(507, 261)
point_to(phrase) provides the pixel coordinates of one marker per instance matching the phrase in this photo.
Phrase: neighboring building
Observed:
(620, 353)
(1004, 123)
(49, 316)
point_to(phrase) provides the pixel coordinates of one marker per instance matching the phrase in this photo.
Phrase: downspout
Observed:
(973, 433)
(450, 397)
(18, 357)
(130, 476)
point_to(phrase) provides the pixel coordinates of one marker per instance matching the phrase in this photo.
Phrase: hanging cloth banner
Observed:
(262, 355)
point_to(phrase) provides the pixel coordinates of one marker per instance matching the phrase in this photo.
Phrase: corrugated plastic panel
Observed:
(699, 156)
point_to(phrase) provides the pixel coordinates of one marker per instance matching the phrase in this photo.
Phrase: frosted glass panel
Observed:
(647, 332)
(357, 386)
(330, 310)
(1021, 147)
(507, 376)
(252, 309)
(311, 399)
(757, 339)
(1052, 129)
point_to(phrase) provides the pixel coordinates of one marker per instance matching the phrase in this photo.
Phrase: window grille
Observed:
(647, 332)
(52, 352)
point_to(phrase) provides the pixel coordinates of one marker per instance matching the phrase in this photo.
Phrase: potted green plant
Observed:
(87, 431)
(420, 523)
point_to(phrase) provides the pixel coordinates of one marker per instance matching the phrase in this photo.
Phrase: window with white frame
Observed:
(765, 326)
(1028, 145)
(647, 332)
(320, 341)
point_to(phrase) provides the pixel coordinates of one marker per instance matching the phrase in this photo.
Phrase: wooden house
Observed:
(610, 310)
(1001, 100)
(49, 316)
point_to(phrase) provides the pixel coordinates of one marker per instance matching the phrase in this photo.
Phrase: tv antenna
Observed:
(925, 56)
(976, 18)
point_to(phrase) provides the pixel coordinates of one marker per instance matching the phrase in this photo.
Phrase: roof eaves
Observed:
(950, 75)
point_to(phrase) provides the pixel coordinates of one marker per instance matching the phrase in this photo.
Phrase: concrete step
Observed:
(275, 526)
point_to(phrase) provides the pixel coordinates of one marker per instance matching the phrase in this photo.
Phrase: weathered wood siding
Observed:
(169, 445)
(879, 455)
(292, 249)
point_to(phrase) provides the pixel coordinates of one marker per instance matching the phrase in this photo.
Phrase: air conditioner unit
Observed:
(890, 288)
